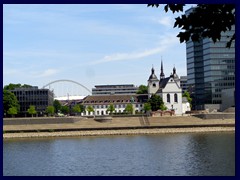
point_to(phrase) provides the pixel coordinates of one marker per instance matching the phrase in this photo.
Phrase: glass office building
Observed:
(210, 69)
(40, 98)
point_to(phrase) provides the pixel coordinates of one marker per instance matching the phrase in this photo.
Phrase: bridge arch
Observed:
(66, 80)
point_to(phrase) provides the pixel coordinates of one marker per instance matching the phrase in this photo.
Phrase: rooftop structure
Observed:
(114, 89)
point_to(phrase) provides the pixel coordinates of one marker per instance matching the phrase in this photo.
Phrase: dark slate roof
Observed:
(152, 77)
(115, 99)
(163, 82)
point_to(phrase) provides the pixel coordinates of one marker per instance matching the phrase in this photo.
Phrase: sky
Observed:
(90, 44)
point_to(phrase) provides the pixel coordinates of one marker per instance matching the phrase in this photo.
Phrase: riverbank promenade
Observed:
(118, 126)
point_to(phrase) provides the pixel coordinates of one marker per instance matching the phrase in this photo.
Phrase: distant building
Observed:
(118, 89)
(183, 83)
(40, 98)
(168, 89)
(101, 103)
(210, 69)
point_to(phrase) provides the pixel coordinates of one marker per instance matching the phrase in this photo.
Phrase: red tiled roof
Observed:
(113, 99)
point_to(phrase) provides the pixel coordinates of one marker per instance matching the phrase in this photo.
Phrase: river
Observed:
(181, 154)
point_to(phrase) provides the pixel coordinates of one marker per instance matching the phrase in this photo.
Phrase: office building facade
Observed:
(118, 89)
(40, 98)
(210, 69)
(183, 83)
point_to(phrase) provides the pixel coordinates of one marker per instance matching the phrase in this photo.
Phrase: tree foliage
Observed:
(163, 107)
(129, 108)
(76, 108)
(82, 108)
(155, 101)
(65, 109)
(50, 110)
(10, 100)
(187, 95)
(142, 89)
(12, 111)
(111, 108)
(13, 86)
(57, 105)
(90, 109)
(206, 21)
(147, 107)
(31, 110)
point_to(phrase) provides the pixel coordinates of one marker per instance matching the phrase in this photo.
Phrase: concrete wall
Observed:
(228, 99)
(212, 107)
(42, 120)
(216, 116)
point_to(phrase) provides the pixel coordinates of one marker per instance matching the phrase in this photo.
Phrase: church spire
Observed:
(174, 70)
(162, 76)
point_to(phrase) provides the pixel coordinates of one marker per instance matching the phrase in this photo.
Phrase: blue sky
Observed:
(90, 44)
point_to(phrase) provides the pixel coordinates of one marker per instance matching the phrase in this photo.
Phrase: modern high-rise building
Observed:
(210, 69)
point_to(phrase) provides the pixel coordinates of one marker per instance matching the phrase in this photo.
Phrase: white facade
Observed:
(119, 108)
(171, 95)
(100, 104)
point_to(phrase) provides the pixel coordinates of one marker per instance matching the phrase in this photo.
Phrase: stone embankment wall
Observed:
(118, 132)
(40, 120)
(216, 116)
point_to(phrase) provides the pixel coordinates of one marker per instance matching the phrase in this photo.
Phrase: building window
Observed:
(168, 98)
(175, 98)
(154, 85)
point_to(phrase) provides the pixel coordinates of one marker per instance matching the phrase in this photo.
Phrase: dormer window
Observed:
(154, 85)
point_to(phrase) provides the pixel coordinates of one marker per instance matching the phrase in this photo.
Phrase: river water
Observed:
(190, 154)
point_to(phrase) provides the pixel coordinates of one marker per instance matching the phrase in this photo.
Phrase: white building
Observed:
(100, 103)
(168, 89)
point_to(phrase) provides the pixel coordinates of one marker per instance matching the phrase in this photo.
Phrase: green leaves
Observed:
(205, 21)
(12, 111)
(147, 107)
(31, 110)
(111, 108)
(90, 109)
(155, 101)
(9, 101)
(129, 108)
(50, 110)
(142, 89)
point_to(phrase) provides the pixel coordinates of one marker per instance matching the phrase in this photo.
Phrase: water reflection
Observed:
(164, 154)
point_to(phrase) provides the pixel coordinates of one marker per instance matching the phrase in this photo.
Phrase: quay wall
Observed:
(40, 120)
(216, 116)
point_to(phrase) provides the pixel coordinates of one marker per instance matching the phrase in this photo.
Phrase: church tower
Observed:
(153, 84)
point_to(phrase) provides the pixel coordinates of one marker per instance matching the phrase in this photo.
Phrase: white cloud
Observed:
(164, 43)
(166, 21)
(48, 72)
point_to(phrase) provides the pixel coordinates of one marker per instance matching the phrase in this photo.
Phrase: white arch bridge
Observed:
(67, 89)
